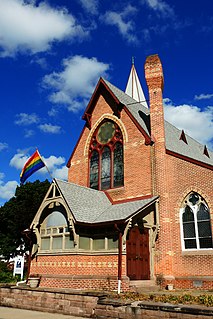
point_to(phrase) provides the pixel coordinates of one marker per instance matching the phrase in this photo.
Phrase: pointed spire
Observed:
(134, 88)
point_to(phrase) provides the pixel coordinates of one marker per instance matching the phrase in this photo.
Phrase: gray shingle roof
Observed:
(139, 112)
(193, 149)
(92, 206)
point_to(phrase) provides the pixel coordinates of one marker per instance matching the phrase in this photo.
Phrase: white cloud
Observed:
(122, 20)
(3, 146)
(160, 6)
(61, 173)
(52, 162)
(26, 26)
(40, 61)
(53, 112)
(26, 119)
(203, 96)
(29, 133)
(49, 128)
(196, 122)
(55, 164)
(8, 189)
(74, 85)
(2, 175)
(91, 6)
(19, 160)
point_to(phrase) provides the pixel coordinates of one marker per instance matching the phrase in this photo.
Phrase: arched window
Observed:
(106, 157)
(196, 223)
(55, 234)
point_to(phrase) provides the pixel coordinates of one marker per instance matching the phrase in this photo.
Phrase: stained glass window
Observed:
(196, 223)
(106, 157)
(118, 165)
(94, 166)
(105, 168)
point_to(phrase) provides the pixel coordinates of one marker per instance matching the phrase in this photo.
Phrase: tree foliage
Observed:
(17, 214)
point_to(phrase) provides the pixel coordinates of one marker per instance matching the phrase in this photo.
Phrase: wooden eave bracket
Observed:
(127, 228)
(99, 90)
(72, 228)
(87, 117)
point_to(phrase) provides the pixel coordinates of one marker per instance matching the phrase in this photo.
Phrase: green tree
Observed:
(17, 214)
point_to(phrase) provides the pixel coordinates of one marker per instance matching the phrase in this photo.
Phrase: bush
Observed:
(6, 275)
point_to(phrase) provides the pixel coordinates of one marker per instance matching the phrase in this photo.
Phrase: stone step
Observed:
(144, 286)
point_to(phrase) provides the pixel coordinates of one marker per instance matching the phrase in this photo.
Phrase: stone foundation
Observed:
(95, 305)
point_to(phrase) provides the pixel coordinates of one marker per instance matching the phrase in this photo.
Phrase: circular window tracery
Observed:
(106, 156)
(106, 132)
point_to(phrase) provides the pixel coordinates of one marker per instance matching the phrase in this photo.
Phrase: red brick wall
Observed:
(79, 271)
(183, 177)
(173, 179)
(149, 170)
(137, 157)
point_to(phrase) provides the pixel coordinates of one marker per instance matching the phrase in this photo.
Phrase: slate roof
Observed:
(92, 206)
(193, 149)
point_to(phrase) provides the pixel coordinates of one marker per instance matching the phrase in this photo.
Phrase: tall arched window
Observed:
(106, 157)
(196, 223)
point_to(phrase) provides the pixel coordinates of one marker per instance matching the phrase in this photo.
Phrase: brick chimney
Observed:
(160, 175)
(154, 79)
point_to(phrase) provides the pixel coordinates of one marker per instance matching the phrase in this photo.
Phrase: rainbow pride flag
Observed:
(33, 164)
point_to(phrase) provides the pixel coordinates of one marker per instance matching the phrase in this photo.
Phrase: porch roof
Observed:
(93, 207)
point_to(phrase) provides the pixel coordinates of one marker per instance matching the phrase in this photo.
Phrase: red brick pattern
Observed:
(148, 170)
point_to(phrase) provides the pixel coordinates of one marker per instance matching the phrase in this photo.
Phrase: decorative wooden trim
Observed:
(91, 105)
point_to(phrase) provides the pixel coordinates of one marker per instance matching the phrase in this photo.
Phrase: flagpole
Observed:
(45, 164)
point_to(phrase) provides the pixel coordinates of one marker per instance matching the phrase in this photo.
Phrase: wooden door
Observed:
(138, 267)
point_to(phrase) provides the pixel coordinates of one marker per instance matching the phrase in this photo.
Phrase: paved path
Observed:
(14, 313)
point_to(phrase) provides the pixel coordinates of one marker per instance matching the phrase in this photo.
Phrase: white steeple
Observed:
(134, 88)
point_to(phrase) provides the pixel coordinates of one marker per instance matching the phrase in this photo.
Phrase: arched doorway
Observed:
(138, 263)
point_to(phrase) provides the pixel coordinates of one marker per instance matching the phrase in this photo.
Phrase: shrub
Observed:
(6, 275)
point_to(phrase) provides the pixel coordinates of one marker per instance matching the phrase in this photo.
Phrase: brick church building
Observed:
(138, 202)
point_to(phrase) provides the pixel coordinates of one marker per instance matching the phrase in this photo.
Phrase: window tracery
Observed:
(106, 157)
(196, 223)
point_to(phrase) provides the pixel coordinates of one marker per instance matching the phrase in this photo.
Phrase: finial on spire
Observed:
(133, 87)
(133, 60)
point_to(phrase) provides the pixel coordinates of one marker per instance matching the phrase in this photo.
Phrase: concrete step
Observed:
(144, 286)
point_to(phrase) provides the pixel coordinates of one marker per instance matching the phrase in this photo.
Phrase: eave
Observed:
(191, 160)
(101, 89)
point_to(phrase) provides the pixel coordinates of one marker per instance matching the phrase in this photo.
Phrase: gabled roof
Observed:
(139, 111)
(93, 207)
(193, 150)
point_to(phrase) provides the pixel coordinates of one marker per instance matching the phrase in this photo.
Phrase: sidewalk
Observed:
(15, 313)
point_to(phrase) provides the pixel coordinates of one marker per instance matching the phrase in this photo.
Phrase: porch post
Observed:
(119, 257)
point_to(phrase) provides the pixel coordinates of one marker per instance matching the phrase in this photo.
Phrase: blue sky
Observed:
(52, 54)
